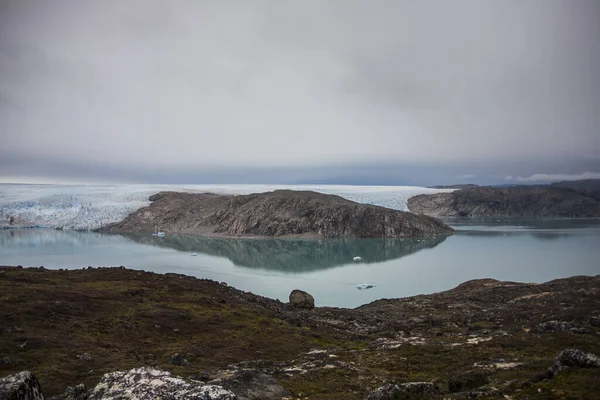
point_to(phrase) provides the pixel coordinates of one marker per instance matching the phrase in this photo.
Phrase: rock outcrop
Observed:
(251, 385)
(278, 213)
(301, 299)
(21, 386)
(519, 201)
(151, 383)
(571, 358)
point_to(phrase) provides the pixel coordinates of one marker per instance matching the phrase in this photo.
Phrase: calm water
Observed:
(518, 250)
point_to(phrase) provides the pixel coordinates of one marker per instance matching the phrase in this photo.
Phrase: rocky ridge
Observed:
(518, 201)
(278, 213)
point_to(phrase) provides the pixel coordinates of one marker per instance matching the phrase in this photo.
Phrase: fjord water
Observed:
(507, 249)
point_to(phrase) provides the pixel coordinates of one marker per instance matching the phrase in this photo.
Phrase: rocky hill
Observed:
(518, 201)
(590, 187)
(278, 213)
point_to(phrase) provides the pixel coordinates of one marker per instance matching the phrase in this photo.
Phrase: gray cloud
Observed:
(144, 90)
(555, 177)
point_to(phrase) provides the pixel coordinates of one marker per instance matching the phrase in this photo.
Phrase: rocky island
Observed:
(517, 201)
(279, 213)
(115, 333)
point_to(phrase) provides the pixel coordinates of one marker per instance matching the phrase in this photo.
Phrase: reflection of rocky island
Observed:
(294, 255)
(278, 213)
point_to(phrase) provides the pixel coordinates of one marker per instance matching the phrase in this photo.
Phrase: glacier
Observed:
(88, 207)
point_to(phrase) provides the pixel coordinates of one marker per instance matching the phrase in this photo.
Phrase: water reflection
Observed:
(293, 255)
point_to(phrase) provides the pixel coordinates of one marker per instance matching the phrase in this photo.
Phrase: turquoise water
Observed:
(515, 249)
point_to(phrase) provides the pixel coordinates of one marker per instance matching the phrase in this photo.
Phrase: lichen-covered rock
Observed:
(574, 358)
(251, 385)
(151, 383)
(21, 386)
(409, 390)
(553, 327)
(301, 299)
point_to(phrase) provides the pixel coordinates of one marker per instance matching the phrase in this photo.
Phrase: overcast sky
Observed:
(336, 91)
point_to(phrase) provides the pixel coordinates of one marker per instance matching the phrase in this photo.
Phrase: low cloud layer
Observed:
(554, 177)
(156, 90)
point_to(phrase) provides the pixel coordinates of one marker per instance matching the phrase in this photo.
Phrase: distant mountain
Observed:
(517, 201)
(459, 186)
(277, 213)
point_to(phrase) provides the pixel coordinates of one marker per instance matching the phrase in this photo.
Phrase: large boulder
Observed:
(21, 386)
(151, 383)
(574, 358)
(251, 385)
(301, 299)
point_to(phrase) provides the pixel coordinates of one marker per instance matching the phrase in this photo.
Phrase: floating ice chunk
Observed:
(357, 258)
(365, 286)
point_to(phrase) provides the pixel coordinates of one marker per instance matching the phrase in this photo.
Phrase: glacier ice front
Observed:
(88, 207)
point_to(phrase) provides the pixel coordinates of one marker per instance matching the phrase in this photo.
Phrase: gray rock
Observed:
(408, 390)
(484, 391)
(595, 321)
(574, 358)
(151, 383)
(85, 357)
(21, 386)
(301, 299)
(78, 392)
(553, 327)
(251, 385)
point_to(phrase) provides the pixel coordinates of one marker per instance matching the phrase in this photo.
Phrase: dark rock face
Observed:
(526, 201)
(251, 385)
(21, 386)
(301, 299)
(152, 383)
(278, 213)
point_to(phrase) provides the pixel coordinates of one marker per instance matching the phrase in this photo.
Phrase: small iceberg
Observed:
(365, 286)
(357, 258)
(194, 254)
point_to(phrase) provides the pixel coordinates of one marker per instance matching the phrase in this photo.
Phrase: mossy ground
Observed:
(125, 319)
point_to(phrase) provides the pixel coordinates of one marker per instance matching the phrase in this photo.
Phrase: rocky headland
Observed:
(279, 213)
(517, 201)
(100, 333)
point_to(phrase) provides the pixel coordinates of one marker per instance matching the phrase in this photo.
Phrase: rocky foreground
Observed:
(278, 213)
(519, 201)
(115, 333)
